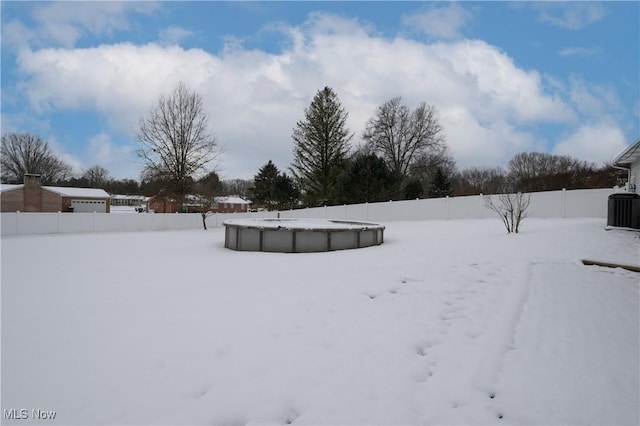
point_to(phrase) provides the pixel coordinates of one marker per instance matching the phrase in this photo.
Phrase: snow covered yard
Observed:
(447, 322)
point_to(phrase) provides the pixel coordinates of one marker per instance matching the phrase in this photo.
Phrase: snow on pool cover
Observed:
(300, 235)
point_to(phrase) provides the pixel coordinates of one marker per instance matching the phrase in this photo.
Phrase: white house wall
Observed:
(634, 176)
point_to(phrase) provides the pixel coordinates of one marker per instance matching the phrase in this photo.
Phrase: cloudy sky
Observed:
(506, 77)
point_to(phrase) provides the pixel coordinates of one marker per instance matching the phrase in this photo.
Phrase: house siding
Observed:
(51, 202)
(32, 197)
(162, 205)
(12, 200)
(634, 177)
(229, 208)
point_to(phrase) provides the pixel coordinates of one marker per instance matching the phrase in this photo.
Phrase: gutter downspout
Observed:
(628, 169)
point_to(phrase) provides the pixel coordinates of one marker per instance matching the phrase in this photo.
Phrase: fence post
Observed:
(18, 223)
(366, 210)
(481, 206)
(564, 200)
(390, 210)
(417, 208)
(58, 222)
(345, 212)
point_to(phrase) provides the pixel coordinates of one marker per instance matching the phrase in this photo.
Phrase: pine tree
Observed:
(284, 192)
(263, 186)
(320, 148)
(413, 189)
(366, 179)
(441, 185)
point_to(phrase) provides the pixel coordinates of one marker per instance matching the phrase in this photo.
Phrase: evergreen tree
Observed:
(366, 179)
(413, 189)
(321, 144)
(441, 185)
(284, 192)
(263, 186)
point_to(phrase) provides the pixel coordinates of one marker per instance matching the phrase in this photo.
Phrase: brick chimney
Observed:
(32, 193)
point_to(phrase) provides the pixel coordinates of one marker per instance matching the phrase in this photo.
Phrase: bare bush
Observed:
(512, 208)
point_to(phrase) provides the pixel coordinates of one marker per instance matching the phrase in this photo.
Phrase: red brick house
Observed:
(31, 196)
(230, 204)
(162, 204)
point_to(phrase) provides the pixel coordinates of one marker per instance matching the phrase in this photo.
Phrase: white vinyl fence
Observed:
(557, 204)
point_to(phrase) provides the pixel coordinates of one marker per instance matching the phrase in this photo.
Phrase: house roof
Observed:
(9, 187)
(629, 155)
(231, 200)
(64, 191)
(130, 197)
(78, 192)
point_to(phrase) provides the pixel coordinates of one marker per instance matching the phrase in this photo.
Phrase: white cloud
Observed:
(174, 34)
(439, 22)
(60, 152)
(596, 143)
(16, 33)
(570, 15)
(116, 158)
(63, 23)
(472, 143)
(255, 98)
(579, 51)
(594, 100)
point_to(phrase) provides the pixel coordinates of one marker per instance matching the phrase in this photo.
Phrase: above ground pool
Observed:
(300, 235)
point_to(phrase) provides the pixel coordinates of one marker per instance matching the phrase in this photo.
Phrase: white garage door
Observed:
(89, 206)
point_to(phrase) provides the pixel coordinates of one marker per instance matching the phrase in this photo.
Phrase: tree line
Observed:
(403, 155)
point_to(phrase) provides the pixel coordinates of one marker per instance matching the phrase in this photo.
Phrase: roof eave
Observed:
(627, 156)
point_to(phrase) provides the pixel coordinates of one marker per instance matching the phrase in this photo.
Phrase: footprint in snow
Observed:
(422, 350)
(291, 417)
(200, 392)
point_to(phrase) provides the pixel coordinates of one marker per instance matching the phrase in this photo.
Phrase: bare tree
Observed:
(512, 208)
(23, 153)
(240, 187)
(204, 194)
(538, 171)
(176, 144)
(400, 135)
(477, 180)
(96, 176)
(427, 164)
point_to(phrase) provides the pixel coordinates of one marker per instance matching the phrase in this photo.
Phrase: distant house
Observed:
(162, 203)
(129, 203)
(629, 159)
(31, 196)
(230, 204)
